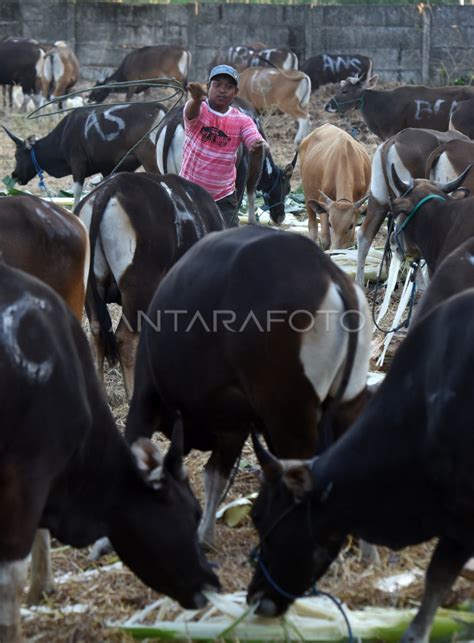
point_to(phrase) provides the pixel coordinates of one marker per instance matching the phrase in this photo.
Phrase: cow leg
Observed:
(12, 583)
(77, 190)
(325, 237)
(366, 234)
(448, 560)
(127, 343)
(251, 205)
(303, 129)
(98, 347)
(216, 475)
(41, 575)
(313, 226)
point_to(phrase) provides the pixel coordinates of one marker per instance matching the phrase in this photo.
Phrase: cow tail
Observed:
(169, 135)
(351, 324)
(106, 334)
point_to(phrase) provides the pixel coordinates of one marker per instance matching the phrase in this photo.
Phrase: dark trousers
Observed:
(229, 210)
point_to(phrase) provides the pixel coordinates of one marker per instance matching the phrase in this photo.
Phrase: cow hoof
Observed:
(37, 594)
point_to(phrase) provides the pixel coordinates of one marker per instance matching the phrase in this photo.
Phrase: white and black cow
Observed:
(408, 151)
(267, 177)
(91, 140)
(400, 476)
(245, 340)
(21, 63)
(65, 466)
(332, 68)
(139, 225)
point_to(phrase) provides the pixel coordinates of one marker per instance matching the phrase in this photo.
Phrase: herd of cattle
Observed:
(230, 333)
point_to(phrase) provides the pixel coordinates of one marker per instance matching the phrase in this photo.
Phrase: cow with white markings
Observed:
(388, 111)
(448, 160)
(65, 466)
(408, 151)
(243, 56)
(288, 91)
(333, 68)
(21, 63)
(252, 175)
(156, 61)
(290, 359)
(91, 140)
(139, 225)
(60, 71)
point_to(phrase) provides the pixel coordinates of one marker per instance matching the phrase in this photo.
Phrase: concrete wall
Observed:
(406, 44)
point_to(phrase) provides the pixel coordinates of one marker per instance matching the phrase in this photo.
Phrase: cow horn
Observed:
(174, 457)
(455, 183)
(271, 466)
(15, 139)
(400, 185)
(358, 203)
(325, 196)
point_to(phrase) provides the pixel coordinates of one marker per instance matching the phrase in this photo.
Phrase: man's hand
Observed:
(197, 91)
(258, 146)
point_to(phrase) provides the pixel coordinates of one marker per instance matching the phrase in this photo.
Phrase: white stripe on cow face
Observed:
(324, 347)
(118, 236)
(10, 322)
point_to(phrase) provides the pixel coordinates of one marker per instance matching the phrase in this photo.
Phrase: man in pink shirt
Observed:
(213, 132)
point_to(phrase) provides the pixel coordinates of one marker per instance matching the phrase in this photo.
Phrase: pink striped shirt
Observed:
(210, 148)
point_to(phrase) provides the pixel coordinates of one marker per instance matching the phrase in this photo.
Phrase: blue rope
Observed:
(255, 555)
(38, 169)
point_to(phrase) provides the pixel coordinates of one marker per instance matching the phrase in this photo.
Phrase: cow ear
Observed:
(288, 171)
(460, 193)
(299, 479)
(149, 461)
(317, 206)
(372, 81)
(174, 457)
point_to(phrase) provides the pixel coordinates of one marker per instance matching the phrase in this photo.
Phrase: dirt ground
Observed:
(115, 595)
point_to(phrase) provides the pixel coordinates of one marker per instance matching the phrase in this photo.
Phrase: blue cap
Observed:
(227, 70)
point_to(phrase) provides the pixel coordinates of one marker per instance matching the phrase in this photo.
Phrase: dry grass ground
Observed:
(117, 594)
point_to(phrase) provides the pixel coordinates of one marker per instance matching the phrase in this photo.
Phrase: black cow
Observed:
(21, 63)
(236, 338)
(156, 61)
(267, 177)
(332, 68)
(400, 476)
(65, 466)
(91, 140)
(388, 111)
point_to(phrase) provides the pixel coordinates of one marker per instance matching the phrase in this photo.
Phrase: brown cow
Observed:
(388, 111)
(159, 61)
(408, 151)
(335, 172)
(255, 55)
(140, 225)
(60, 71)
(289, 91)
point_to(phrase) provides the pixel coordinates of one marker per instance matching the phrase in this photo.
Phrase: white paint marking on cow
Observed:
(12, 583)
(443, 171)
(378, 187)
(324, 347)
(118, 236)
(11, 318)
(92, 122)
(181, 214)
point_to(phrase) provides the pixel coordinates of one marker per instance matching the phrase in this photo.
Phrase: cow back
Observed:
(332, 68)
